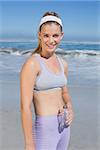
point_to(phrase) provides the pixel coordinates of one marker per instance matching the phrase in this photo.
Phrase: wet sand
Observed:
(85, 129)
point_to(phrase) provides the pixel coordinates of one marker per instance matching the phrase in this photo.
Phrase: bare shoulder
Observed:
(30, 65)
(65, 64)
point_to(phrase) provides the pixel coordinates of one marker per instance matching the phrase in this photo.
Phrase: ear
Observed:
(39, 35)
(62, 34)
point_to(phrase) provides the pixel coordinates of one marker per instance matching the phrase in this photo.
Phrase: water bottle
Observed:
(65, 116)
(60, 122)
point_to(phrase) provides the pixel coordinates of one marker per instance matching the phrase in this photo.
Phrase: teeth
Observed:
(51, 46)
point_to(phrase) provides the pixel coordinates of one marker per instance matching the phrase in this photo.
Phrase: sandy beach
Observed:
(85, 127)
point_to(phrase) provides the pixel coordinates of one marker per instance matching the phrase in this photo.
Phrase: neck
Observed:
(46, 55)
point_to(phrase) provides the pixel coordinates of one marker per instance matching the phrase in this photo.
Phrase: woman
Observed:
(43, 82)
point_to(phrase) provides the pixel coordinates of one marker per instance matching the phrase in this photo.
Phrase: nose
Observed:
(51, 39)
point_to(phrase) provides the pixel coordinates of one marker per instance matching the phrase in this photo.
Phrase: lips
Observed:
(51, 46)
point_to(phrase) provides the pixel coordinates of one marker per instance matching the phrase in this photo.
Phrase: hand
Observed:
(29, 147)
(70, 115)
(61, 111)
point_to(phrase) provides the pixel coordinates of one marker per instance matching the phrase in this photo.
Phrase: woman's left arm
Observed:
(67, 98)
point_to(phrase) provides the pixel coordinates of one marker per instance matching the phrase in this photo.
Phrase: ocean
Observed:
(83, 60)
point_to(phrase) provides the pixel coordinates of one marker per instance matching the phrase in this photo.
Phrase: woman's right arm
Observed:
(28, 75)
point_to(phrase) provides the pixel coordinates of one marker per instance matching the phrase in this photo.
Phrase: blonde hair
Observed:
(39, 47)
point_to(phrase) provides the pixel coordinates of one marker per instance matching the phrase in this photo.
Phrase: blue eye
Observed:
(46, 35)
(56, 35)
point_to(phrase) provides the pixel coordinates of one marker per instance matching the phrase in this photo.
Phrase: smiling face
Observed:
(50, 36)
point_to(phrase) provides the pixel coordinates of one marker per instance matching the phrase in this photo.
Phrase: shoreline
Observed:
(69, 85)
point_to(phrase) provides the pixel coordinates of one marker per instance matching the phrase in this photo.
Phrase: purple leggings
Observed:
(47, 136)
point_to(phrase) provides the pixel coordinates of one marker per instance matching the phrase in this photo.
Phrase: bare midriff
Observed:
(48, 102)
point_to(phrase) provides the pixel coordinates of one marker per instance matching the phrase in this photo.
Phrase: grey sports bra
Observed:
(47, 79)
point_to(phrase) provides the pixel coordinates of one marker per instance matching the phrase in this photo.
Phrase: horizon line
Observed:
(35, 40)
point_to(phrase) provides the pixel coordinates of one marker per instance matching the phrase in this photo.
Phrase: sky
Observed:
(20, 19)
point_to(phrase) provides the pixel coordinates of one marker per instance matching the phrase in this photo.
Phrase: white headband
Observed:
(50, 18)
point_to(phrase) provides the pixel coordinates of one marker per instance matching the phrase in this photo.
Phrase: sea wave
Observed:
(79, 52)
(15, 51)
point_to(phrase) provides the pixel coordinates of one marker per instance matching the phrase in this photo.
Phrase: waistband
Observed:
(46, 116)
